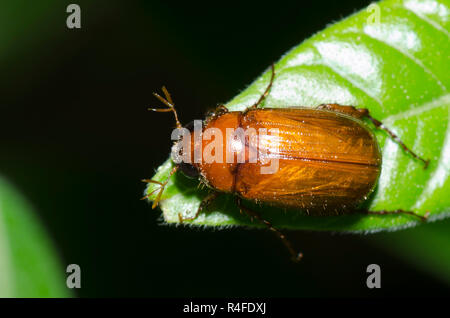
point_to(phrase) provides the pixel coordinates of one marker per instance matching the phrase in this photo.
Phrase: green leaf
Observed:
(28, 264)
(399, 70)
(427, 247)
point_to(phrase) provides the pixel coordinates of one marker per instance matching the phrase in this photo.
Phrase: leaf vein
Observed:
(433, 24)
(439, 102)
(411, 58)
(348, 79)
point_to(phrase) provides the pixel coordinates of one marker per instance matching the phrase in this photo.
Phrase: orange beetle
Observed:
(328, 161)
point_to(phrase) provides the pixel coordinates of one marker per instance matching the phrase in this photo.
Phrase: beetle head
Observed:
(185, 166)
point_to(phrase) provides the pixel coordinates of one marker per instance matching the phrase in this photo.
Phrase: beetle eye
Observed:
(188, 170)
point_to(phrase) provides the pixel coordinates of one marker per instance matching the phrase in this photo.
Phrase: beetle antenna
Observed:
(162, 185)
(169, 103)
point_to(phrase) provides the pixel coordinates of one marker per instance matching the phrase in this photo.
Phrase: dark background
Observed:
(76, 138)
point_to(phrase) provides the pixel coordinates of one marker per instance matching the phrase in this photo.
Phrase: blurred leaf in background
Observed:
(427, 247)
(29, 265)
(397, 66)
(18, 19)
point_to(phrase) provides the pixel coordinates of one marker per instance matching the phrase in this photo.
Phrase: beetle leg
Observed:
(203, 205)
(296, 256)
(363, 112)
(151, 181)
(162, 185)
(219, 111)
(344, 109)
(266, 92)
(423, 218)
(148, 195)
(380, 125)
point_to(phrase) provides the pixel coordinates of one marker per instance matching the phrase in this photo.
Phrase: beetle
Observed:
(328, 159)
